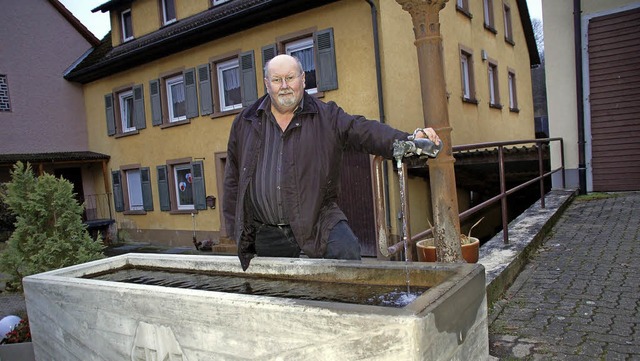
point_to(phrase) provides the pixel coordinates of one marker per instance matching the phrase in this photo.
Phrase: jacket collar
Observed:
(255, 111)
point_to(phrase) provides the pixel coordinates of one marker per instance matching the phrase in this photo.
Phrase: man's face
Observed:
(285, 83)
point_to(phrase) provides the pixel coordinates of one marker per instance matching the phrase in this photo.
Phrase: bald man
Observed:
(283, 165)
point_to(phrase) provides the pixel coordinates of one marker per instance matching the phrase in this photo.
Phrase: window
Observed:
(513, 98)
(229, 85)
(168, 11)
(183, 180)
(489, 21)
(127, 25)
(303, 50)
(126, 111)
(181, 186)
(126, 114)
(494, 93)
(132, 189)
(218, 2)
(466, 73)
(5, 104)
(134, 186)
(463, 7)
(508, 33)
(316, 52)
(176, 98)
(234, 83)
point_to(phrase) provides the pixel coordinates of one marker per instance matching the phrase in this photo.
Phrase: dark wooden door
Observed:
(614, 87)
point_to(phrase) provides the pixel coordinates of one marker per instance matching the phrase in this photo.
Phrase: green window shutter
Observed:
(156, 102)
(111, 117)
(248, 85)
(118, 198)
(199, 193)
(147, 196)
(163, 188)
(204, 89)
(190, 93)
(326, 70)
(138, 107)
(268, 53)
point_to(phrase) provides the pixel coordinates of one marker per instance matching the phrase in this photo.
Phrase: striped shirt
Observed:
(265, 189)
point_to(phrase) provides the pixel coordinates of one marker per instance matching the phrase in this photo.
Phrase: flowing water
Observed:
(405, 225)
(375, 295)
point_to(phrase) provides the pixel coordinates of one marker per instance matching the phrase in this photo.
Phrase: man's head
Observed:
(284, 79)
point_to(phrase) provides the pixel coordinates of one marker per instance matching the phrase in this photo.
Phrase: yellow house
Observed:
(162, 90)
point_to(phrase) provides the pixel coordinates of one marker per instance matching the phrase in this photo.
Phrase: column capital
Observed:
(425, 15)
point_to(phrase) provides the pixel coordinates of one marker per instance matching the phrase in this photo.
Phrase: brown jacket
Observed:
(320, 133)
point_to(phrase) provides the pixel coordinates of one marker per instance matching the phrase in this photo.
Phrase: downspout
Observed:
(577, 31)
(376, 50)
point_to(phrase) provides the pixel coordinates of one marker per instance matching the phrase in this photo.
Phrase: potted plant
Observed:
(470, 247)
(16, 345)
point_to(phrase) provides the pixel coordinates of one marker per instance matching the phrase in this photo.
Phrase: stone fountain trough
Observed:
(77, 318)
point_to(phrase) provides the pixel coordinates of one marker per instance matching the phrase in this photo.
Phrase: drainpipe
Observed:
(577, 31)
(376, 50)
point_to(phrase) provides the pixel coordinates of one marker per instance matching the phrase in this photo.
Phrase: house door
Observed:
(356, 200)
(614, 99)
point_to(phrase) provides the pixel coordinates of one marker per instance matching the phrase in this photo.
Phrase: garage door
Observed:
(614, 85)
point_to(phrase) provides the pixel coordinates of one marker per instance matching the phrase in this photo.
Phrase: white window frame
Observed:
(169, 82)
(176, 182)
(488, 13)
(218, 2)
(126, 113)
(494, 93)
(303, 44)
(508, 28)
(513, 96)
(124, 25)
(166, 21)
(134, 189)
(466, 75)
(220, 68)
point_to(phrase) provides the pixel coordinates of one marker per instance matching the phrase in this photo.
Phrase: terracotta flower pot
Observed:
(427, 250)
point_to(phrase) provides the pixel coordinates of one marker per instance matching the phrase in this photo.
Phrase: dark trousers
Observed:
(278, 241)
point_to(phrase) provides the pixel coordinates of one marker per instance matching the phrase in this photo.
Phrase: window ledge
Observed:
(175, 124)
(490, 28)
(514, 110)
(225, 113)
(183, 211)
(470, 100)
(129, 213)
(495, 106)
(510, 41)
(465, 12)
(121, 135)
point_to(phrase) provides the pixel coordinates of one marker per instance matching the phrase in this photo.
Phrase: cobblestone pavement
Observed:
(579, 296)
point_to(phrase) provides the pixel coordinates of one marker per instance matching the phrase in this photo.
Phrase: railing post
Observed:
(540, 173)
(562, 162)
(503, 199)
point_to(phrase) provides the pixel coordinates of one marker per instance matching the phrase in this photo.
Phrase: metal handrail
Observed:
(502, 196)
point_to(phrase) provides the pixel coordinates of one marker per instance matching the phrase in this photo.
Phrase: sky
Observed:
(98, 22)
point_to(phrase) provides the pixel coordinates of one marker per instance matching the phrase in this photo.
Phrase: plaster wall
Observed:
(47, 112)
(559, 39)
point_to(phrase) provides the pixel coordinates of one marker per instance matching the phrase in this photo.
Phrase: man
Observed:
(283, 169)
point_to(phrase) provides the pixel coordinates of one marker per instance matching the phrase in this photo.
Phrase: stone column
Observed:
(425, 15)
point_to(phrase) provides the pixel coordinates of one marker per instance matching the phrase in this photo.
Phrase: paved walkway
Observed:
(579, 296)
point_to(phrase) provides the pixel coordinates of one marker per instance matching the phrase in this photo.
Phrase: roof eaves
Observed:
(204, 27)
(525, 19)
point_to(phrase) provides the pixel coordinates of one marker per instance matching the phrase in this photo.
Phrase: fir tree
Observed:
(49, 232)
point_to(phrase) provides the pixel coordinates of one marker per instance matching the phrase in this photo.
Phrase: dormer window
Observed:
(127, 25)
(168, 11)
